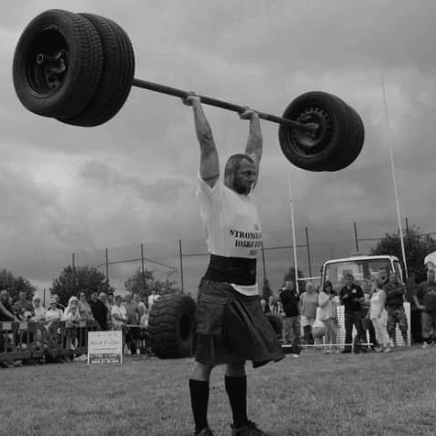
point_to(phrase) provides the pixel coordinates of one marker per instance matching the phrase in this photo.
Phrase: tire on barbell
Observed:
(117, 78)
(276, 322)
(343, 160)
(171, 326)
(52, 31)
(337, 133)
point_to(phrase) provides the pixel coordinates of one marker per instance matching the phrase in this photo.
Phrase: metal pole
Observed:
(74, 260)
(143, 269)
(308, 252)
(297, 286)
(355, 236)
(163, 89)
(181, 265)
(107, 264)
(394, 178)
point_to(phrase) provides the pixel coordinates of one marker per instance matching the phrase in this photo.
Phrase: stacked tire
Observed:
(76, 68)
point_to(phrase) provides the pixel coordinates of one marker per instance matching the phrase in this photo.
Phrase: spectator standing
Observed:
(6, 310)
(53, 313)
(272, 305)
(425, 300)
(99, 311)
(291, 323)
(328, 315)
(118, 314)
(367, 325)
(23, 307)
(378, 316)
(72, 321)
(308, 305)
(395, 296)
(84, 307)
(351, 296)
(132, 331)
(154, 296)
(58, 305)
(38, 310)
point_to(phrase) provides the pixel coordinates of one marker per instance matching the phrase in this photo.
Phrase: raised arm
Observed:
(209, 162)
(254, 145)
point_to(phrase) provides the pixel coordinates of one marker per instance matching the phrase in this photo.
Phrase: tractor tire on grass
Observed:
(276, 322)
(171, 326)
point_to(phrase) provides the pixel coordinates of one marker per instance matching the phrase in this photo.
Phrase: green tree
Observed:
(290, 277)
(15, 285)
(72, 280)
(142, 284)
(416, 246)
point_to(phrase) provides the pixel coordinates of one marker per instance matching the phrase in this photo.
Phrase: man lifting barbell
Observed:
(231, 327)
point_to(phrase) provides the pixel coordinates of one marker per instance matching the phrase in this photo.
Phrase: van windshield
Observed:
(362, 270)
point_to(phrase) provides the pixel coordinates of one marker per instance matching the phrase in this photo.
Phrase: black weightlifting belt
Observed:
(236, 270)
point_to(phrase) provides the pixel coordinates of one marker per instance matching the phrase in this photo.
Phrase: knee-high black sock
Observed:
(199, 402)
(236, 388)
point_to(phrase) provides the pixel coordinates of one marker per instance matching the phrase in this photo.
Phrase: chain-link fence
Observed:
(183, 261)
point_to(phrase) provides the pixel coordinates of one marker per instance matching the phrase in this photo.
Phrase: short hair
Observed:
(234, 162)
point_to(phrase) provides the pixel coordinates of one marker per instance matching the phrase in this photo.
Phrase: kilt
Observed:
(232, 327)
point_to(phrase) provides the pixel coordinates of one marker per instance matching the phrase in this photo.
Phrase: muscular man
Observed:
(231, 326)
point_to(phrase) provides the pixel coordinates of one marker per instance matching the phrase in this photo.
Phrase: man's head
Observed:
(94, 296)
(240, 173)
(37, 300)
(23, 295)
(430, 275)
(349, 279)
(103, 297)
(393, 278)
(4, 296)
(56, 298)
(310, 287)
(289, 285)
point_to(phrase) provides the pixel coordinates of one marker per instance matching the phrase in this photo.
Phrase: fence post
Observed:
(355, 236)
(308, 252)
(263, 262)
(107, 264)
(181, 265)
(142, 268)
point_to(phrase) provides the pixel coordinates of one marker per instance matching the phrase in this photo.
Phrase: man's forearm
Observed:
(202, 128)
(255, 142)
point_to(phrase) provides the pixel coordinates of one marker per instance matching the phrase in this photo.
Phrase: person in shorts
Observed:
(231, 326)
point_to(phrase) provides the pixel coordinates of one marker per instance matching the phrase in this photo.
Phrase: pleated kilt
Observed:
(232, 327)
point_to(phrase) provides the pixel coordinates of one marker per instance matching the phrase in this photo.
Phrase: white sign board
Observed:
(105, 347)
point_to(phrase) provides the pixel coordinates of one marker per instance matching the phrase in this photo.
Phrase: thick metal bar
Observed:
(163, 89)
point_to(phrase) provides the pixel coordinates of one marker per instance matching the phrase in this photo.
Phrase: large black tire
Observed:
(66, 93)
(171, 326)
(117, 78)
(276, 322)
(337, 134)
(345, 159)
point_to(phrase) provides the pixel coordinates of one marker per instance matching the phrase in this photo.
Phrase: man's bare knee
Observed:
(236, 369)
(201, 371)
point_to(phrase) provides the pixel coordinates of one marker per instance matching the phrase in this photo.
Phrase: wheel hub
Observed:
(313, 141)
(48, 62)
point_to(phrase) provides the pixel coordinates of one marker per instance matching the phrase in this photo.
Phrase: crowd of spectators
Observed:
(372, 307)
(127, 313)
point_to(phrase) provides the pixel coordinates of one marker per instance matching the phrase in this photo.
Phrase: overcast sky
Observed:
(132, 180)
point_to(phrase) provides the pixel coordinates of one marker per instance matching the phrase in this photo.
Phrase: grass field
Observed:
(317, 394)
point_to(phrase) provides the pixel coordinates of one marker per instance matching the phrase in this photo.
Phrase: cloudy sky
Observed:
(71, 190)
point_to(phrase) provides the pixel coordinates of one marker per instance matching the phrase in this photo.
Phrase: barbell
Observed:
(79, 69)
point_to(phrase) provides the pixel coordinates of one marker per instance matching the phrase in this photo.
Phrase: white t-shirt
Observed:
(232, 224)
(120, 311)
